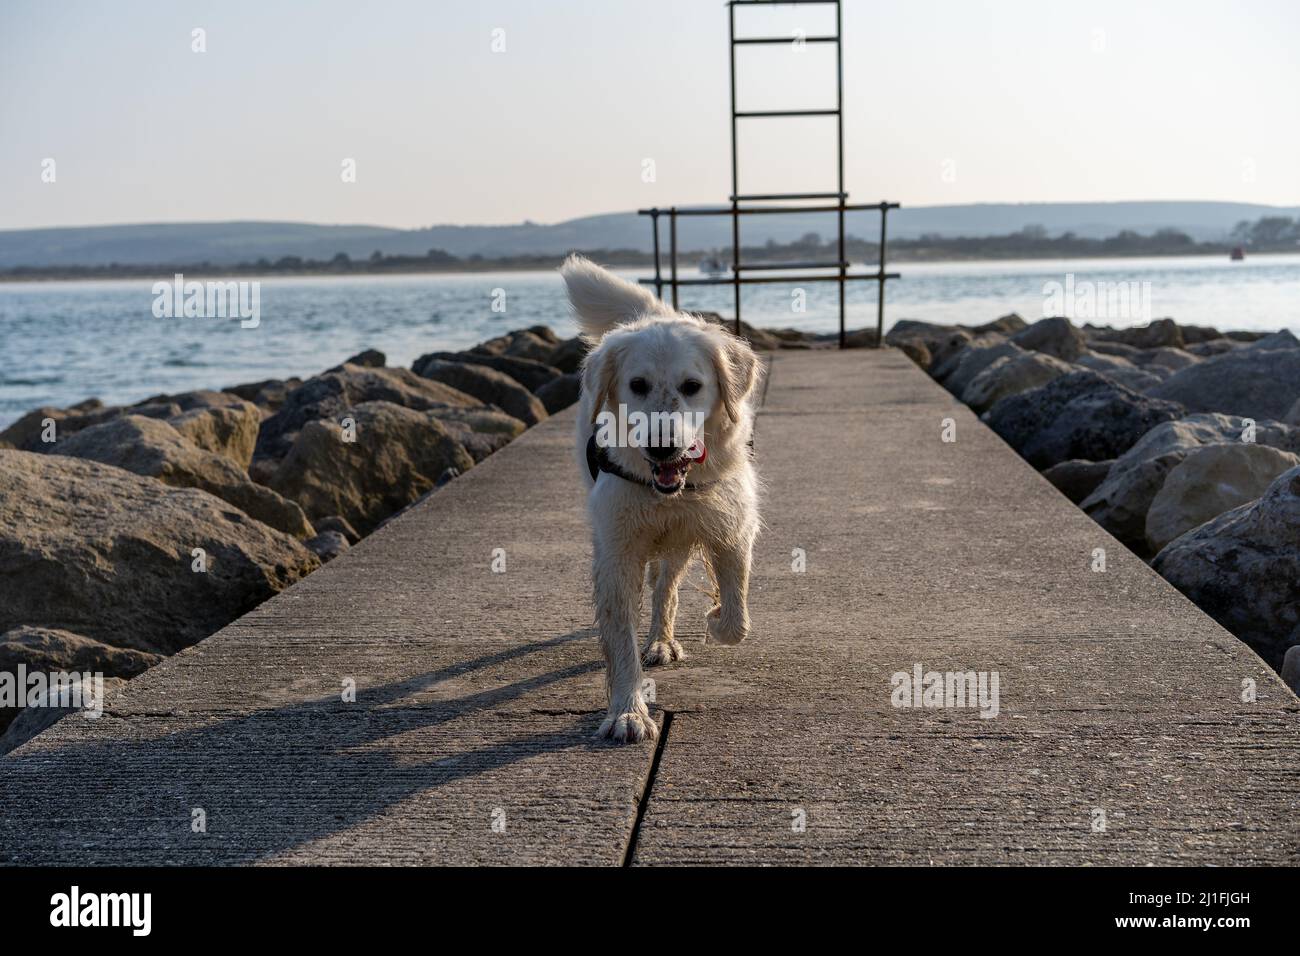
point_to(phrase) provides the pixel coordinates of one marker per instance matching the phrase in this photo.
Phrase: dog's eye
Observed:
(690, 386)
(639, 386)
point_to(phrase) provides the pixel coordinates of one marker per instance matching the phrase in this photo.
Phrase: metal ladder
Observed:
(758, 202)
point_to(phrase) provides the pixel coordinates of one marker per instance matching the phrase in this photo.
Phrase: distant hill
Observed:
(225, 243)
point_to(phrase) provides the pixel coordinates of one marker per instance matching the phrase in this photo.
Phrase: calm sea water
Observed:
(61, 342)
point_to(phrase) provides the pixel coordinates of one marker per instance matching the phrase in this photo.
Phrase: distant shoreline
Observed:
(687, 265)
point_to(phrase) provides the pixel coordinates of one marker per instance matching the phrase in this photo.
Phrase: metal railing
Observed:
(736, 209)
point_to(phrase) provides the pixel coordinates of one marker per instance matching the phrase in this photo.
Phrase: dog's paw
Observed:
(628, 727)
(729, 632)
(663, 652)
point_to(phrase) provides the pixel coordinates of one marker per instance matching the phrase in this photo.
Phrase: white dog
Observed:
(679, 478)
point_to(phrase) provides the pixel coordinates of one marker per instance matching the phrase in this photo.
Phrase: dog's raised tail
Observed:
(601, 299)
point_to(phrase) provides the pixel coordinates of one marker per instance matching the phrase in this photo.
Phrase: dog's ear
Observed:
(736, 367)
(601, 299)
(600, 376)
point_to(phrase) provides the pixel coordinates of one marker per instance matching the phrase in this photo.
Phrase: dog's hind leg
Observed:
(618, 580)
(728, 622)
(663, 647)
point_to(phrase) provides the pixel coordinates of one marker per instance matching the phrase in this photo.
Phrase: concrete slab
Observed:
(477, 693)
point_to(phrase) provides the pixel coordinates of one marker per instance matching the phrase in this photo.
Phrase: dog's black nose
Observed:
(663, 452)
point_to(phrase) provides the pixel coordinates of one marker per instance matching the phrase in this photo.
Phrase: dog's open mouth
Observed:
(670, 476)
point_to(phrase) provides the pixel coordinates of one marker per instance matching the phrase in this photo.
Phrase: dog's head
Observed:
(665, 392)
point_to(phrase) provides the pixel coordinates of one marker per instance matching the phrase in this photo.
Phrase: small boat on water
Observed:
(712, 266)
(1237, 254)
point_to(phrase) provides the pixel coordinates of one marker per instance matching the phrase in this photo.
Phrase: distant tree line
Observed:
(1268, 234)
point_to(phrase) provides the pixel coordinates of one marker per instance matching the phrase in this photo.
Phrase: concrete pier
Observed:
(1122, 734)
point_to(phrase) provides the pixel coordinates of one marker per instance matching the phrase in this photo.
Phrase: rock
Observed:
(95, 550)
(328, 545)
(853, 339)
(1238, 335)
(1278, 340)
(1293, 416)
(917, 352)
(531, 375)
(229, 430)
(960, 370)
(1243, 568)
(1008, 324)
(370, 358)
(940, 341)
(535, 344)
(1102, 362)
(1158, 333)
(328, 395)
(488, 385)
(481, 431)
(268, 394)
(1136, 379)
(339, 524)
(1291, 668)
(1213, 347)
(1055, 336)
(1076, 478)
(1080, 415)
(397, 455)
(154, 449)
(29, 432)
(1254, 382)
(54, 704)
(561, 393)
(1209, 481)
(1121, 502)
(1011, 375)
(1168, 358)
(1199, 334)
(1103, 347)
(568, 355)
(52, 649)
(187, 401)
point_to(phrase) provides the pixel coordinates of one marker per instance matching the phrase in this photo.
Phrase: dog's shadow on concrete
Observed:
(276, 779)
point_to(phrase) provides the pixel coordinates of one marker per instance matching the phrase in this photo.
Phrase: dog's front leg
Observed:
(618, 578)
(663, 647)
(728, 623)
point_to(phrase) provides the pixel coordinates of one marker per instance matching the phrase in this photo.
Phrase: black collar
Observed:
(598, 461)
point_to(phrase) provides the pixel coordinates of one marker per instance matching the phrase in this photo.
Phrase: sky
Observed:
(499, 111)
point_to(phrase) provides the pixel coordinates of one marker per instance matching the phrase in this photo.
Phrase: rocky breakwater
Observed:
(1181, 441)
(130, 532)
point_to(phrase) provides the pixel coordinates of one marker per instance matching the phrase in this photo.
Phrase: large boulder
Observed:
(52, 649)
(1243, 568)
(487, 385)
(1210, 481)
(963, 368)
(1055, 336)
(228, 430)
(1158, 333)
(268, 394)
(1121, 502)
(328, 395)
(1076, 478)
(563, 392)
(30, 432)
(1080, 415)
(397, 454)
(481, 431)
(1011, 375)
(1255, 382)
(155, 449)
(95, 550)
(1170, 359)
(68, 695)
(535, 344)
(528, 373)
(1103, 362)
(568, 355)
